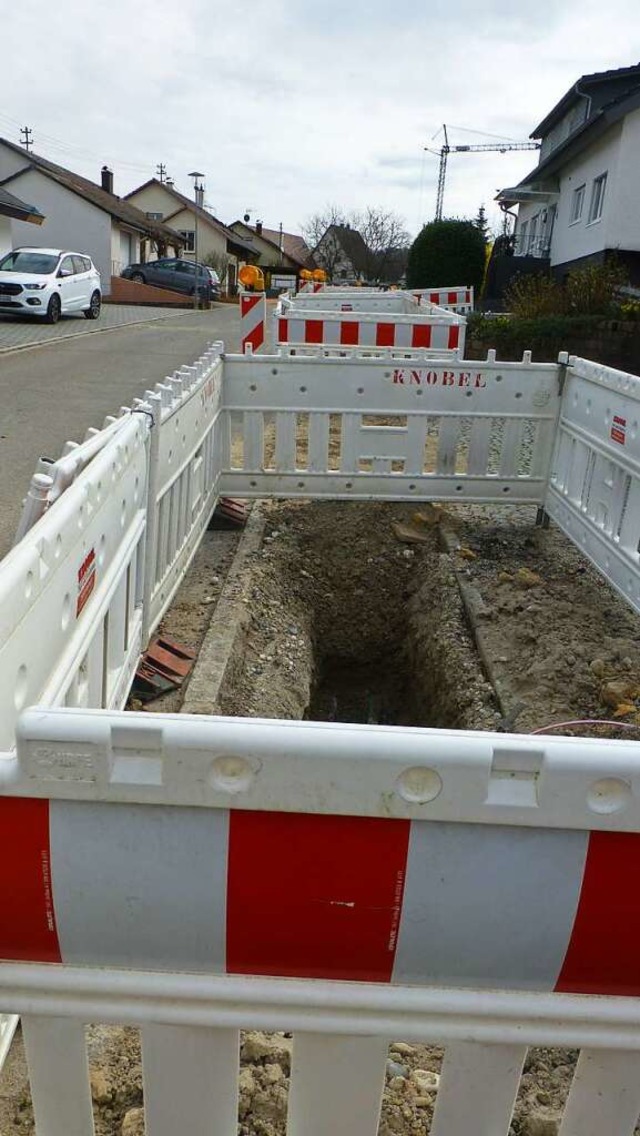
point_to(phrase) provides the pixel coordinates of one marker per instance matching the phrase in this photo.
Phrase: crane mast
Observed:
(484, 147)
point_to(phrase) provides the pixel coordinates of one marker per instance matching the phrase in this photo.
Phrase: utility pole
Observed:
(198, 191)
(27, 141)
(483, 148)
(161, 171)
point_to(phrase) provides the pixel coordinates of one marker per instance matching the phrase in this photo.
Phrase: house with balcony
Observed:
(82, 215)
(580, 205)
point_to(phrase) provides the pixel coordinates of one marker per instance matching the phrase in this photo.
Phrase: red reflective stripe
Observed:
(255, 337)
(349, 333)
(603, 956)
(385, 335)
(421, 335)
(313, 331)
(434, 298)
(283, 331)
(249, 302)
(454, 336)
(452, 297)
(27, 920)
(314, 896)
(467, 297)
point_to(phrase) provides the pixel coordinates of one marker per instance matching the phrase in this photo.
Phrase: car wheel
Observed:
(93, 311)
(138, 278)
(54, 309)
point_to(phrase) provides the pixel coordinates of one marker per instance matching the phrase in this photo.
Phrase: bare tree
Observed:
(386, 239)
(383, 254)
(322, 242)
(220, 262)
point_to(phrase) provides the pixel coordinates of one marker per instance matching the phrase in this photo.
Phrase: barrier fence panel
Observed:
(71, 590)
(187, 455)
(594, 488)
(440, 333)
(456, 299)
(356, 301)
(388, 428)
(433, 886)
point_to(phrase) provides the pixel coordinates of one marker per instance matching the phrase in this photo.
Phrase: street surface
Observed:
(20, 331)
(52, 393)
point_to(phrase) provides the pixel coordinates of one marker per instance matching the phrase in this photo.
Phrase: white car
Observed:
(49, 283)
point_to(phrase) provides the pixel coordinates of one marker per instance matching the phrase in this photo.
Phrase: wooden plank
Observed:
(190, 1080)
(59, 1076)
(336, 1085)
(478, 1088)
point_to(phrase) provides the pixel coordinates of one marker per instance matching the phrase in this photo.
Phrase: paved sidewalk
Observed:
(20, 331)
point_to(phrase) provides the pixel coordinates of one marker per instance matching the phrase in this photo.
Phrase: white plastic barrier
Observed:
(358, 300)
(440, 333)
(53, 476)
(472, 890)
(458, 299)
(460, 430)
(71, 590)
(594, 489)
(187, 455)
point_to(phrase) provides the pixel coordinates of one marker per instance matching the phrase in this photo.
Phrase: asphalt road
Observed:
(52, 394)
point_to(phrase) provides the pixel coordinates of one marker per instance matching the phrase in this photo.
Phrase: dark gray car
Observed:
(175, 274)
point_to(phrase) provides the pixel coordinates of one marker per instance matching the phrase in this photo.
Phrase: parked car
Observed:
(215, 283)
(49, 283)
(173, 273)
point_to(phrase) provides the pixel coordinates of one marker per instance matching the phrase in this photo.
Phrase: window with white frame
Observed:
(597, 198)
(522, 238)
(577, 204)
(189, 238)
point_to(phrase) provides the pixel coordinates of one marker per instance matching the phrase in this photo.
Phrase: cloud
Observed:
(287, 105)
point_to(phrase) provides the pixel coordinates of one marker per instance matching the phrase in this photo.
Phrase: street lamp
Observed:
(198, 191)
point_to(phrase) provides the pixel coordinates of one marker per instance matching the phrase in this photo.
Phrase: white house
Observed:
(162, 202)
(581, 203)
(82, 215)
(13, 209)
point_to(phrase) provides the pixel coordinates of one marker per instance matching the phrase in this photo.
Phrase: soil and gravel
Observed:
(375, 612)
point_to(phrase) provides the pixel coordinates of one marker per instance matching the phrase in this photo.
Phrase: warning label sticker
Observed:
(618, 430)
(86, 580)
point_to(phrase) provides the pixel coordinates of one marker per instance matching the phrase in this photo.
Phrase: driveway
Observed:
(20, 331)
(53, 394)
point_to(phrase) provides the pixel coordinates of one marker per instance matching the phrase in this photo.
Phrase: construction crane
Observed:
(484, 147)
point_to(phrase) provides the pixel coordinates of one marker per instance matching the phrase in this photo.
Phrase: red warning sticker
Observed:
(86, 580)
(618, 429)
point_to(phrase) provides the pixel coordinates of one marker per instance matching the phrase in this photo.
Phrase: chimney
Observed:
(107, 179)
(281, 239)
(259, 228)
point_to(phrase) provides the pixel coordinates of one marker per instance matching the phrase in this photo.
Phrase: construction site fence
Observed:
(81, 592)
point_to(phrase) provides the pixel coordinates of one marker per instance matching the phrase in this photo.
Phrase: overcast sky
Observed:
(286, 105)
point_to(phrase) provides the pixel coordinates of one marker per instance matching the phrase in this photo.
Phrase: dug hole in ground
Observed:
(469, 617)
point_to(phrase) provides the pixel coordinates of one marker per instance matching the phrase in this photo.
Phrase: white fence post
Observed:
(336, 1085)
(190, 1080)
(59, 1076)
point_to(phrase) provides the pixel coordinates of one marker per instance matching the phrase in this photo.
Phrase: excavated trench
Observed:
(355, 616)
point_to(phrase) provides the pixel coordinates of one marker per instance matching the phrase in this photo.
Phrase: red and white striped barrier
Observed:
(453, 299)
(449, 883)
(360, 330)
(253, 321)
